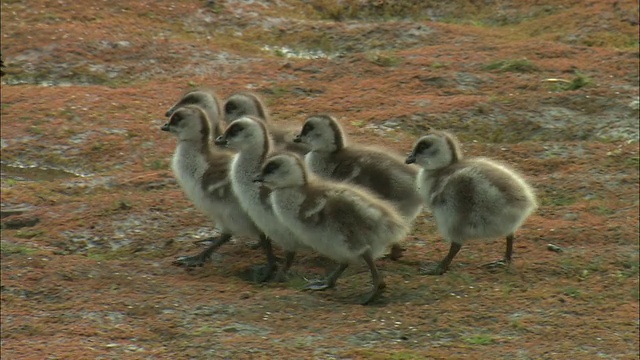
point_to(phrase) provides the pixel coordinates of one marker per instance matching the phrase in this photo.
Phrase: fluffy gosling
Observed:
(248, 103)
(378, 170)
(470, 198)
(202, 170)
(341, 221)
(209, 101)
(249, 137)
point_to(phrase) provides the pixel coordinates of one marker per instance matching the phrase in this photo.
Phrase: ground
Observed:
(92, 217)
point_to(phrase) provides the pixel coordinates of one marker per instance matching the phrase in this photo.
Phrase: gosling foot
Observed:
(317, 285)
(502, 263)
(437, 269)
(264, 272)
(374, 294)
(396, 252)
(192, 261)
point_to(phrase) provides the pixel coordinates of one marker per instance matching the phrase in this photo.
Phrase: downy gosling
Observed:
(209, 101)
(202, 170)
(470, 198)
(378, 170)
(247, 103)
(250, 138)
(341, 221)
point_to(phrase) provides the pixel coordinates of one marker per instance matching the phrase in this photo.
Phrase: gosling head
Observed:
(435, 150)
(245, 133)
(321, 133)
(242, 104)
(188, 123)
(194, 97)
(280, 171)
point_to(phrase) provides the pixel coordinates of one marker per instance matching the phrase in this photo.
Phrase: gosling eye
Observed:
(176, 118)
(307, 128)
(424, 145)
(230, 107)
(235, 130)
(271, 168)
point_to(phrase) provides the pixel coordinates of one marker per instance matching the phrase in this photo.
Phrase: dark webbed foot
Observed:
(432, 269)
(280, 276)
(396, 252)
(283, 273)
(317, 285)
(374, 294)
(255, 246)
(191, 261)
(264, 272)
(502, 263)
(201, 258)
(443, 266)
(329, 281)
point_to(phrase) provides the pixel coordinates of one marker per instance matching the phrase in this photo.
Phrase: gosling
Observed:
(249, 137)
(341, 221)
(470, 198)
(380, 171)
(247, 103)
(202, 171)
(209, 101)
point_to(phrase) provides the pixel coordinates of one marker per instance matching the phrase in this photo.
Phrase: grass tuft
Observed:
(480, 339)
(8, 248)
(514, 65)
(384, 59)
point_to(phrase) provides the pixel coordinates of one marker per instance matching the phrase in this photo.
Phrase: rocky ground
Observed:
(92, 217)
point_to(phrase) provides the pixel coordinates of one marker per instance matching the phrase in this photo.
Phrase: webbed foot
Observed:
(437, 269)
(373, 294)
(317, 285)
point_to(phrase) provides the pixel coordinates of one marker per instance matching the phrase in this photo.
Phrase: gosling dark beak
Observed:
(220, 141)
(165, 127)
(258, 179)
(410, 159)
(297, 139)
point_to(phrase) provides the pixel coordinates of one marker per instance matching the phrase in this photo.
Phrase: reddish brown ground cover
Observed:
(86, 267)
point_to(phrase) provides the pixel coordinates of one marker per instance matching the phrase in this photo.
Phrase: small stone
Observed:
(245, 295)
(20, 223)
(554, 248)
(571, 216)
(9, 212)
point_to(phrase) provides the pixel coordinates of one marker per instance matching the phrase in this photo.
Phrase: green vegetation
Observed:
(579, 81)
(384, 59)
(572, 291)
(438, 65)
(382, 355)
(557, 199)
(159, 164)
(28, 234)
(8, 248)
(514, 65)
(480, 339)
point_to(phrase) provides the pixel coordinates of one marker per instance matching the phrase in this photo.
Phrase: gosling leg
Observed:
(443, 266)
(506, 261)
(201, 258)
(396, 252)
(376, 279)
(329, 281)
(281, 275)
(266, 271)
